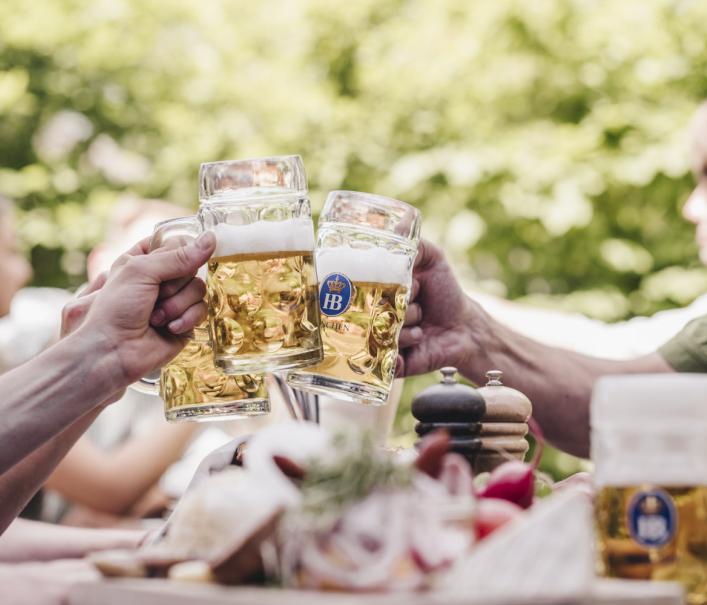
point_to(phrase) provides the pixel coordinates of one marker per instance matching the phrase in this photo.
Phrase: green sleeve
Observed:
(687, 350)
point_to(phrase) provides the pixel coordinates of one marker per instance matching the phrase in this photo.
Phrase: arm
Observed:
(114, 481)
(558, 382)
(52, 391)
(445, 327)
(34, 541)
(22, 481)
(116, 344)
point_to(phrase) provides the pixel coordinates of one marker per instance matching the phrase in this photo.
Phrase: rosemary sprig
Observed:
(357, 468)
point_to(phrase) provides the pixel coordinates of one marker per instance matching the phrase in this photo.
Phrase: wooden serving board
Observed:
(165, 592)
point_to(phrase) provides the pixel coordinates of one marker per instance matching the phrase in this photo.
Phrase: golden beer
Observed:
(193, 388)
(190, 385)
(263, 304)
(638, 540)
(360, 345)
(262, 281)
(362, 312)
(365, 251)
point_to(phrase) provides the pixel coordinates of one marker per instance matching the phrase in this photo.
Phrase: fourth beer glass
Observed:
(191, 386)
(649, 447)
(365, 252)
(262, 283)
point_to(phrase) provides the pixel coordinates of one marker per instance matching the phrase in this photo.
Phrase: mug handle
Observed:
(148, 384)
(182, 229)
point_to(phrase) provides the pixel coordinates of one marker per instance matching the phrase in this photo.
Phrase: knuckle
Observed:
(136, 266)
(200, 287)
(119, 262)
(72, 313)
(169, 308)
(183, 258)
(131, 265)
(168, 289)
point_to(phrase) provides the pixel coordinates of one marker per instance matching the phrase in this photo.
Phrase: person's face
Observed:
(695, 208)
(15, 271)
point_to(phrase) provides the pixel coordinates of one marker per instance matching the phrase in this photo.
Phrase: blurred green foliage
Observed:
(544, 141)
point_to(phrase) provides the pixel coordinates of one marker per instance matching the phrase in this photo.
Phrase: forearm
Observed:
(22, 481)
(44, 396)
(34, 541)
(143, 460)
(114, 481)
(557, 381)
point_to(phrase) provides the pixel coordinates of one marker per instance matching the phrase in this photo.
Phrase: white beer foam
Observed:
(290, 235)
(364, 265)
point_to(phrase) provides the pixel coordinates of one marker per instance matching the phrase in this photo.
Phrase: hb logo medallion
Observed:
(652, 518)
(335, 294)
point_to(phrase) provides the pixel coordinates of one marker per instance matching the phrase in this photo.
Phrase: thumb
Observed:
(427, 253)
(166, 264)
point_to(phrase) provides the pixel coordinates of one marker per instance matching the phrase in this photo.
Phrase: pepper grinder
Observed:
(487, 426)
(505, 423)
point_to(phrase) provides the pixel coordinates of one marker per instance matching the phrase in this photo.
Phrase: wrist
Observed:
(479, 341)
(99, 356)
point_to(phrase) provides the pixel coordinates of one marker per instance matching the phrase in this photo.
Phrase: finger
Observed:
(409, 337)
(166, 265)
(414, 289)
(139, 249)
(96, 284)
(191, 318)
(74, 312)
(173, 307)
(399, 367)
(427, 254)
(413, 315)
(170, 288)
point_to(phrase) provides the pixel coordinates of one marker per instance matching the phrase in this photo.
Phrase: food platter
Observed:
(368, 527)
(165, 592)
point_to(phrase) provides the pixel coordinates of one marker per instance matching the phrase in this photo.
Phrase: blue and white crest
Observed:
(652, 518)
(335, 294)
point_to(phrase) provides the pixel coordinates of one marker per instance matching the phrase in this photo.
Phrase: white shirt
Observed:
(621, 340)
(33, 324)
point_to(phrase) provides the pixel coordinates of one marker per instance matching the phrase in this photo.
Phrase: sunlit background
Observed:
(544, 141)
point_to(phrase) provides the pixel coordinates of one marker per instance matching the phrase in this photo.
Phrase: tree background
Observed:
(544, 142)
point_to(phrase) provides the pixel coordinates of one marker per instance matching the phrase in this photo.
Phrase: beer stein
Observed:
(649, 447)
(190, 385)
(366, 248)
(262, 282)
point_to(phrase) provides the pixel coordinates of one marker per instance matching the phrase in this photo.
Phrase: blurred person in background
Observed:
(29, 317)
(624, 339)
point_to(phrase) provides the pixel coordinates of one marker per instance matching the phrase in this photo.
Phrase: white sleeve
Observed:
(576, 332)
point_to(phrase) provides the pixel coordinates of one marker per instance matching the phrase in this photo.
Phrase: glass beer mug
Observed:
(190, 385)
(365, 252)
(262, 282)
(649, 447)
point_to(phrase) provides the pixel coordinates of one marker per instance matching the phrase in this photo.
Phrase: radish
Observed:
(493, 513)
(432, 450)
(512, 481)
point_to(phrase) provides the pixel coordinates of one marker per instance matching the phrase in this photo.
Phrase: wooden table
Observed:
(164, 592)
